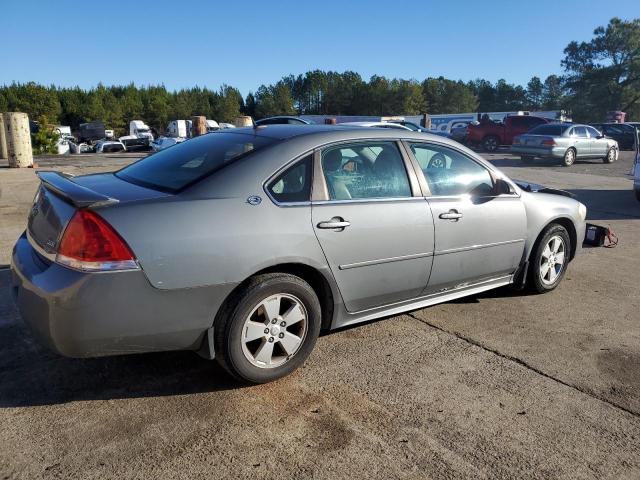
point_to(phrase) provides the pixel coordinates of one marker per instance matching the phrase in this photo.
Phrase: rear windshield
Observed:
(185, 163)
(548, 129)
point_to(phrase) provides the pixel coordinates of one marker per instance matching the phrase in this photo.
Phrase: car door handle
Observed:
(451, 215)
(334, 223)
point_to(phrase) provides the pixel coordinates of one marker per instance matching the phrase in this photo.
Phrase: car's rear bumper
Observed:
(80, 314)
(543, 152)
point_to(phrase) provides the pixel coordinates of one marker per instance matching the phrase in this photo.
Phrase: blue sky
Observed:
(246, 43)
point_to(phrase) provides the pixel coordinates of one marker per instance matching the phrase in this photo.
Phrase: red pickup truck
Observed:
(492, 134)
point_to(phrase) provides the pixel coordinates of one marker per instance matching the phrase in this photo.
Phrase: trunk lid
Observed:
(529, 140)
(60, 195)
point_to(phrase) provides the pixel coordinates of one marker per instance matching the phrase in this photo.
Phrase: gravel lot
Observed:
(500, 385)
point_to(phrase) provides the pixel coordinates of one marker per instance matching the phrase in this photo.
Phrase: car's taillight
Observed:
(89, 243)
(549, 142)
(516, 140)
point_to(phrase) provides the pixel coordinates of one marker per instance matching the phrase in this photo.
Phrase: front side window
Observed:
(365, 170)
(612, 130)
(593, 133)
(450, 173)
(294, 185)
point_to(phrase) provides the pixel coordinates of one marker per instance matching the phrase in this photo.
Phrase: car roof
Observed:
(340, 131)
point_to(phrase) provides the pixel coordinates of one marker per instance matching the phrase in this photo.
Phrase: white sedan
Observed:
(165, 142)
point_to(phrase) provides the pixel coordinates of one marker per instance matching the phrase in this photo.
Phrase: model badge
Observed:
(254, 200)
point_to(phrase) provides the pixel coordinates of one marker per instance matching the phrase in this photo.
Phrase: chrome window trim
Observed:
(369, 200)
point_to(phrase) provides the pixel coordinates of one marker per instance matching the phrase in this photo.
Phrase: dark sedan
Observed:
(623, 133)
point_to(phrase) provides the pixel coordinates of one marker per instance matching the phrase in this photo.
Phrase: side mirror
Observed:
(502, 187)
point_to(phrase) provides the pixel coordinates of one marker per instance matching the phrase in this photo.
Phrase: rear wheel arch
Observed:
(309, 274)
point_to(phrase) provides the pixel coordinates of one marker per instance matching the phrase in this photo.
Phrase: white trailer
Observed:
(177, 129)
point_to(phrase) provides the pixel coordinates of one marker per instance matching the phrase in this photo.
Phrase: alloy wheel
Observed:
(274, 331)
(552, 260)
(569, 157)
(491, 144)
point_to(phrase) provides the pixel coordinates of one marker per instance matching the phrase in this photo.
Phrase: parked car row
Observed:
(491, 135)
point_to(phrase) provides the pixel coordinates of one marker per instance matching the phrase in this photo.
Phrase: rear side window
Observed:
(294, 185)
(365, 170)
(184, 164)
(593, 133)
(580, 132)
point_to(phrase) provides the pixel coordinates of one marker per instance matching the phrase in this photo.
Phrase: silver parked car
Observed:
(244, 244)
(565, 142)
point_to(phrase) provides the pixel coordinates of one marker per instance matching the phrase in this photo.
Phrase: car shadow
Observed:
(608, 204)
(31, 375)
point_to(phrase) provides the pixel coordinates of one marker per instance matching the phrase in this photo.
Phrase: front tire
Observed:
(268, 329)
(611, 156)
(637, 192)
(549, 259)
(569, 157)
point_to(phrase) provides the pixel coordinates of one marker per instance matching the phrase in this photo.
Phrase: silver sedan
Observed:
(242, 245)
(565, 142)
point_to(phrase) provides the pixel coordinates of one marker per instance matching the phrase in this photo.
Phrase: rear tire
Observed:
(549, 259)
(569, 157)
(637, 192)
(526, 158)
(611, 156)
(255, 353)
(490, 143)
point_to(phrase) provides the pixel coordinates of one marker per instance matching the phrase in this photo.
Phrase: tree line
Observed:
(600, 75)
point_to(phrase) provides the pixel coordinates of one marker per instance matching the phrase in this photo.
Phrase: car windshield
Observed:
(188, 162)
(548, 129)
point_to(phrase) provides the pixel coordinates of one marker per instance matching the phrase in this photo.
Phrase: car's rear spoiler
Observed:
(62, 185)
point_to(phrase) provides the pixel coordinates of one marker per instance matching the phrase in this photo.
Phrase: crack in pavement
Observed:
(524, 364)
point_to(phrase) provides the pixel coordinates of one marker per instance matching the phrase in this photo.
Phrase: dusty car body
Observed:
(109, 146)
(165, 142)
(244, 244)
(565, 142)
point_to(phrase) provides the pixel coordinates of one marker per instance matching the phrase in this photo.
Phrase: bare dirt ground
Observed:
(499, 385)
